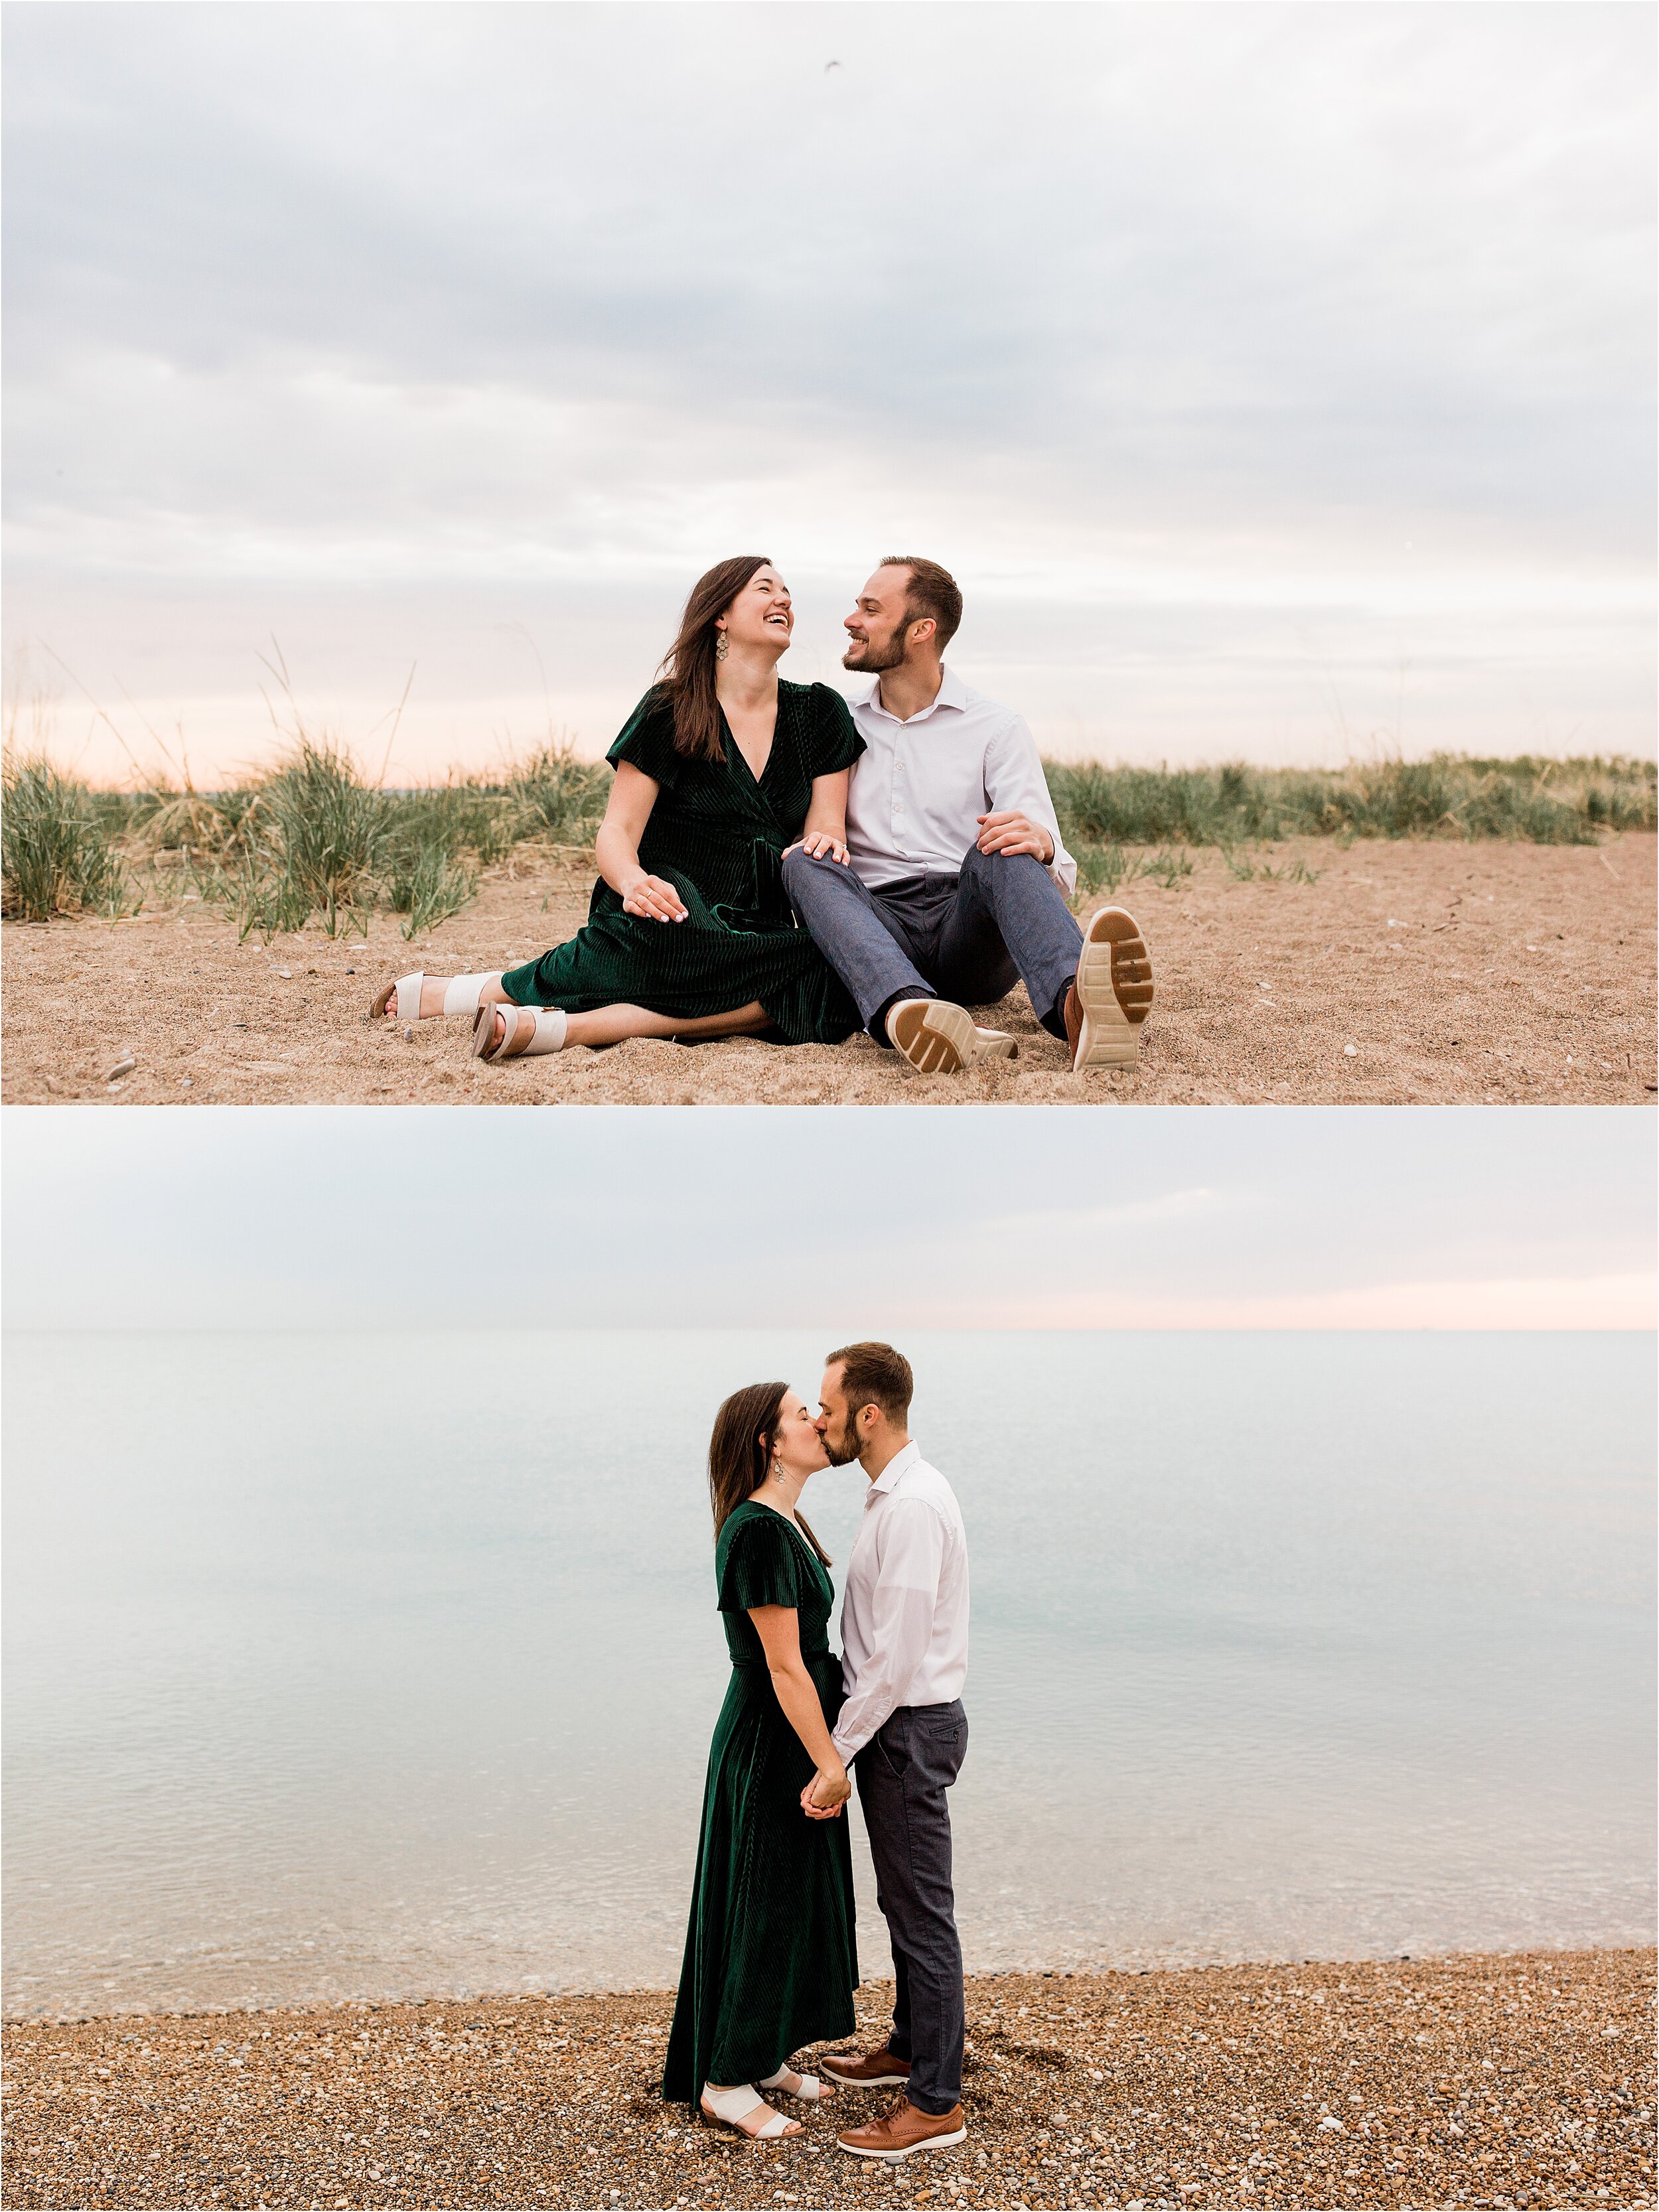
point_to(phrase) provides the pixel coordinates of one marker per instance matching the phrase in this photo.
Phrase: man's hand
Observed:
(1011, 832)
(654, 900)
(826, 1793)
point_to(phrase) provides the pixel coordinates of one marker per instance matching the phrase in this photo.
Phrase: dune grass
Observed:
(311, 838)
(1547, 802)
(55, 855)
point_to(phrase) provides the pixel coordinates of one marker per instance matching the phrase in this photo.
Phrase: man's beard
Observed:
(843, 1454)
(875, 659)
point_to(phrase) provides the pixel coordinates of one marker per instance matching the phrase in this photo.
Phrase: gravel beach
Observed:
(1423, 972)
(1471, 2081)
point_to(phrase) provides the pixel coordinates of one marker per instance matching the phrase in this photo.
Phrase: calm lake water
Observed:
(387, 1665)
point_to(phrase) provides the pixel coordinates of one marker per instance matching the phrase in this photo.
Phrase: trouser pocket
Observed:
(938, 1743)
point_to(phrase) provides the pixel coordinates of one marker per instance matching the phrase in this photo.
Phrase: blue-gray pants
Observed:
(903, 1773)
(965, 937)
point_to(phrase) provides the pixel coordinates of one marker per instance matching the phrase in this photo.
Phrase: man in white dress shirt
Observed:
(958, 882)
(902, 1731)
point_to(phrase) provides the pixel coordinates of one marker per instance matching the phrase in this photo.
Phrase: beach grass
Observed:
(1570, 802)
(56, 858)
(313, 838)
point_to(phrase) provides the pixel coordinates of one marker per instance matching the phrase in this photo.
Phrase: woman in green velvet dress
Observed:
(721, 768)
(770, 1962)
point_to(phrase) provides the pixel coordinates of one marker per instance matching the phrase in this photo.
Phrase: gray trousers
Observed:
(903, 1773)
(965, 937)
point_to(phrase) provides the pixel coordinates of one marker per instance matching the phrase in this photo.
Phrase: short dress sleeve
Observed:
(836, 741)
(646, 740)
(763, 1565)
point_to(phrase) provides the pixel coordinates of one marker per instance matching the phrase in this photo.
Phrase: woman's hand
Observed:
(653, 899)
(823, 845)
(826, 1793)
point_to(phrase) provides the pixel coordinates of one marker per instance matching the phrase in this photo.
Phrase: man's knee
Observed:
(981, 868)
(801, 868)
(802, 876)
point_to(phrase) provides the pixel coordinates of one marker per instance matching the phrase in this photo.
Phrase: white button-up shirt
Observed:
(919, 786)
(904, 1617)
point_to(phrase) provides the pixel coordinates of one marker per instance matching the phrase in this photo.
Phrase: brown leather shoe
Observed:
(876, 2069)
(905, 2129)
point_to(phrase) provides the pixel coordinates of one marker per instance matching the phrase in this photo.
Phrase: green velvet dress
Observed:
(718, 836)
(770, 1960)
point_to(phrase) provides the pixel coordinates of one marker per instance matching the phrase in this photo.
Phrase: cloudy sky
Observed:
(1277, 380)
(874, 1221)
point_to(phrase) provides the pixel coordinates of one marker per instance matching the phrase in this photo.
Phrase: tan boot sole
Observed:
(1115, 990)
(994, 1044)
(936, 1037)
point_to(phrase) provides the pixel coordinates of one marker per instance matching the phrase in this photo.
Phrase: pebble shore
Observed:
(1518, 2079)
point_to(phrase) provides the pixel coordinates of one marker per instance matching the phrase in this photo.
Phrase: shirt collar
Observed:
(899, 1465)
(952, 692)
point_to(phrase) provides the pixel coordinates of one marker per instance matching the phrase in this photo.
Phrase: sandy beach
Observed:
(1414, 972)
(1472, 2081)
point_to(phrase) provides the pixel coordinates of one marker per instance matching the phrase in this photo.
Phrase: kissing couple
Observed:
(774, 863)
(770, 1960)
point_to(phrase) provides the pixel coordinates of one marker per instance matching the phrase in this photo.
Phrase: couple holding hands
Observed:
(770, 1958)
(774, 863)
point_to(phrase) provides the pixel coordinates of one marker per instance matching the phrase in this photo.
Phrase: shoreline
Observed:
(1471, 2079)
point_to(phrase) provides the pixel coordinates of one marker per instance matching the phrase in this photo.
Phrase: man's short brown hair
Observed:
(931, 594)
(875, 1375)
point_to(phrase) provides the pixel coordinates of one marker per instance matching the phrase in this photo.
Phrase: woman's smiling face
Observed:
(761, 616)
(797, 1444)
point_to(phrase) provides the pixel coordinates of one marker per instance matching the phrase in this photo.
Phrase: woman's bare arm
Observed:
(825, 832)
(779, 1629)
(633, 795)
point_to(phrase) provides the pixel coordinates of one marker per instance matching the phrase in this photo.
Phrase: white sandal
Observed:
(462, 995)
(810, 2087)
(525, 1031)
(733, 2106)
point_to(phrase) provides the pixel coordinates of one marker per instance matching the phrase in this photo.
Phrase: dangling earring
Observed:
(721, 648)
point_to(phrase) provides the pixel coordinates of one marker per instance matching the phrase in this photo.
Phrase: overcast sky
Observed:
(1276, 381)
(858, 1221)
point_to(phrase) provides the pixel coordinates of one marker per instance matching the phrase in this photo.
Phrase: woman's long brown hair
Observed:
(739, 1449)
(688, 666)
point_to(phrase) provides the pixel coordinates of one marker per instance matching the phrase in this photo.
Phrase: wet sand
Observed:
(1472, 2081)
(1418, 972)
